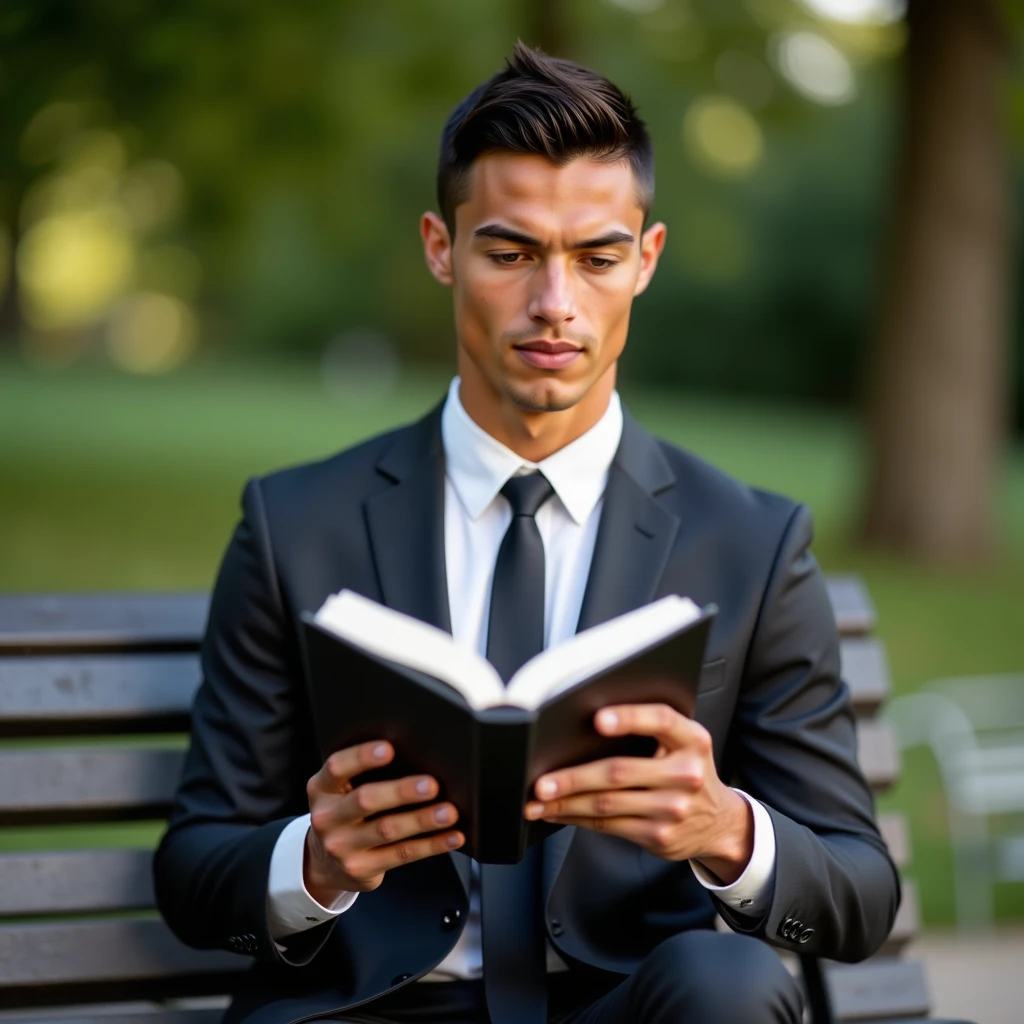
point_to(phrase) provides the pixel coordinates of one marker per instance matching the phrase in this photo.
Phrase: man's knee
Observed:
(717, 977)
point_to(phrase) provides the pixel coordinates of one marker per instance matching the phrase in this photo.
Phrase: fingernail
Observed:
(423, 787)
(380, 751)
(547, 787)
(534, 811)
(443, 814)
(453, 841)
(609, 720)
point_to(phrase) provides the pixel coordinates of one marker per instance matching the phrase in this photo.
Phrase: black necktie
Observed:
(514, 952)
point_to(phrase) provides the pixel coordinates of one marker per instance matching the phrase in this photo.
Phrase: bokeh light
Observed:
(872, 12)
(722, 137)
(150, 333)
(71, 266)
(815, 68)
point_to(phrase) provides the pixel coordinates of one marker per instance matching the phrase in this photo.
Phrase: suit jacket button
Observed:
(399, 978)
(556, 927)
(806, 935)
(450, 918)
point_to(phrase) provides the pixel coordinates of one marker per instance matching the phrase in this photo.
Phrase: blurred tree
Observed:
(940, 376)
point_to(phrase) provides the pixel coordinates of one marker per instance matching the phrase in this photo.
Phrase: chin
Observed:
(547, 395)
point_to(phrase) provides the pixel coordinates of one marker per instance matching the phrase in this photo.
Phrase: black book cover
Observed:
(487, 761)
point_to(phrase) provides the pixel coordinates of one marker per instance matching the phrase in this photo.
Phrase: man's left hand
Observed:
(674, 804)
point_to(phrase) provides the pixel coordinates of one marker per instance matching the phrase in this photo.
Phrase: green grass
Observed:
(109, 482)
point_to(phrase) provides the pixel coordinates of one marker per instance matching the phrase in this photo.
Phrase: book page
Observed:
(397, 637)
(587, 653)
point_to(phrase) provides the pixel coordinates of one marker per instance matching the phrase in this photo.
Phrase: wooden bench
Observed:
(95, 693)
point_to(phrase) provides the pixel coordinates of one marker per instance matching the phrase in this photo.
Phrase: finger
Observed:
(656, 836)
(393, 828)
(666, 724)
(370, 862)
(375, 797)
(343, 765)
(679, 770)
(657, 804)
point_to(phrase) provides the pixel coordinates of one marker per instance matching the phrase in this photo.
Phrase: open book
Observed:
(375, 673)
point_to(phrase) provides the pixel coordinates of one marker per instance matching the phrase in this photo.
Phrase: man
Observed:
(525, 507)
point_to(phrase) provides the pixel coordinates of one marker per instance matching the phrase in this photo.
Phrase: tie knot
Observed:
(527, 493)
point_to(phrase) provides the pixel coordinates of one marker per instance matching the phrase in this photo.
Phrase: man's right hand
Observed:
(347, 853)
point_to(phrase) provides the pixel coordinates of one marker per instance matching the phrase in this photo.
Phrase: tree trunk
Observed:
(545, 26)
(939, 377)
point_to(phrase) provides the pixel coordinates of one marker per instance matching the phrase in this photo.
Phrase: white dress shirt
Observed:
(476, 517)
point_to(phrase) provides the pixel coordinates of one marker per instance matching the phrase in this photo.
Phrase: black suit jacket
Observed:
(371, 519)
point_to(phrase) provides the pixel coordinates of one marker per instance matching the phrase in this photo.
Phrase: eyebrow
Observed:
(506, 234)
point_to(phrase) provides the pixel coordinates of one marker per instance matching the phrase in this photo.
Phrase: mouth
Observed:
(548, 355)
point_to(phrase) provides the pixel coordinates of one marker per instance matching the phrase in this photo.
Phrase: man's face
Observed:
(544, 267)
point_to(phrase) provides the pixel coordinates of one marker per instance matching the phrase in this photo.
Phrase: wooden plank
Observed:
(91, 693)
(75, 881)
(865, 668)
(89, 1014)
(896, 834)
(855, 613)
(878, 989)
(37, 623)
(878, 753)
(86, 784)
(105, 951)
(908, 919)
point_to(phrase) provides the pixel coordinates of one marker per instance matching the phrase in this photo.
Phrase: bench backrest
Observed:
(95, 692)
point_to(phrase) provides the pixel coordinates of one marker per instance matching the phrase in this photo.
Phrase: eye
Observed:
(600, 262)
(507, 259)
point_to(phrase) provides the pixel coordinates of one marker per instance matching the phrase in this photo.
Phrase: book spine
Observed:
(503, 743)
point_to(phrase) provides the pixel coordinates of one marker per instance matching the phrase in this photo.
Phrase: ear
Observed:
(437, 247)
(652, 242)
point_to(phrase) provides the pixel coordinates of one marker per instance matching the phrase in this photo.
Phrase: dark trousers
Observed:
(698, 977)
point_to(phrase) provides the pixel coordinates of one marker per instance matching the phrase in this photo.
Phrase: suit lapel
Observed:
(405, 523)
(634, 539)
(635, 534)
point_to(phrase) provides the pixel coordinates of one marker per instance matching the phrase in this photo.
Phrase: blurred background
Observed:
(209, 267)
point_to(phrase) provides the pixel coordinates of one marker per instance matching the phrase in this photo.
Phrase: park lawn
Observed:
(109, 482)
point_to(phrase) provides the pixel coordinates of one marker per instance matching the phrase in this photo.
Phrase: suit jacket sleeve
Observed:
(244, 775)
(793, 746)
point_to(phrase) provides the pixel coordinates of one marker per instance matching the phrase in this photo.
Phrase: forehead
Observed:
(530, 191)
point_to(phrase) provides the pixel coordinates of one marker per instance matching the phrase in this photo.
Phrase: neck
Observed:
(532, 435)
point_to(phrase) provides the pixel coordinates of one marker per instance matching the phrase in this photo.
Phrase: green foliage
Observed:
(306, 135)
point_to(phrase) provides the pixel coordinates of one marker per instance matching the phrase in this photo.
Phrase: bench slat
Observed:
(32, 623)
(908, 919)
(878, 753)
(896, 834)
(865, 667)
(86, 784)
(878, 989)
(75, 881)
(37, 623)
(854, 610)
(141, 692)
(97, 693)
(93, 1015)
(78, 952)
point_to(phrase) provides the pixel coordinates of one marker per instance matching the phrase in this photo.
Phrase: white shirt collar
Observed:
(479, 465)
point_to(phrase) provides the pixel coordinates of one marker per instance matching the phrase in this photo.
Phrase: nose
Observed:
(553, 301)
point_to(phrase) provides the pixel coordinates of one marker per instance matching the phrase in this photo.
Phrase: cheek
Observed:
(482, 307)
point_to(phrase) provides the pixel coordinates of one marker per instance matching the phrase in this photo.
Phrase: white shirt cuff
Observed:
(751, 893)
(290, 908)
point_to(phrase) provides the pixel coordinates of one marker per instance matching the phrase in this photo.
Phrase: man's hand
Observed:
(347, 853)
(673, 805)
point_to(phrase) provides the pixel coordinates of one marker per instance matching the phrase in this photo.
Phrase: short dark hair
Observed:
(547, 106)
